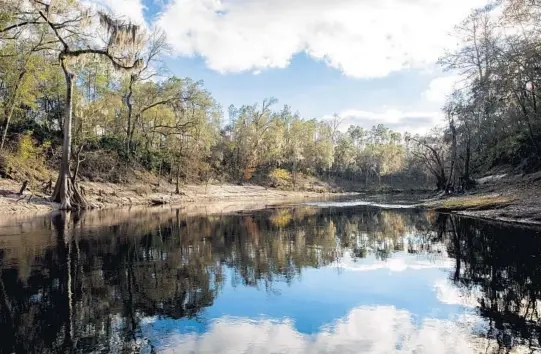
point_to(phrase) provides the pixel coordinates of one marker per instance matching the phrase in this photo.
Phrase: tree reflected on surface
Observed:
(500, 267)
(87, 282)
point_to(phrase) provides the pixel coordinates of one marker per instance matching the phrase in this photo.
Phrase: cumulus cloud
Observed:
(441, 87)
(365, 329)
(402, 121)
(362, 38)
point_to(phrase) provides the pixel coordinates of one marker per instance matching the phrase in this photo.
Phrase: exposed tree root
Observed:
(68, 194)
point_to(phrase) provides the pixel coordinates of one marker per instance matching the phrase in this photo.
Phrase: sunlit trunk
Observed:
(65, 191)
(62, 193)
(129, 104)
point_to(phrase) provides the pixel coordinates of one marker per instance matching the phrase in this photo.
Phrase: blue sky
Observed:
(370, 61)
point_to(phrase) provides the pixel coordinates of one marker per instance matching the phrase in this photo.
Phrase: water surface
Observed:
(317, 278)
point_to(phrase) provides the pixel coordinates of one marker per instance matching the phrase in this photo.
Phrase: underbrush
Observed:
(103, 166)
(26, 160)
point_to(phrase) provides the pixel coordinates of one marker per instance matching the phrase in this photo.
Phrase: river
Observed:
(310, 278)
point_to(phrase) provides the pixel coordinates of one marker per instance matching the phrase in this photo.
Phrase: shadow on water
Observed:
(87, 283)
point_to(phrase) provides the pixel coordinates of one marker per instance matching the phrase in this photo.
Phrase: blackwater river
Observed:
(309, 278)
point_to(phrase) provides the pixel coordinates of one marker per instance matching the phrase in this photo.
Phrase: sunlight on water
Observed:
(360, 203)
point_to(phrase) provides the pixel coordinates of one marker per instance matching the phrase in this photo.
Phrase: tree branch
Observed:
(21, 24)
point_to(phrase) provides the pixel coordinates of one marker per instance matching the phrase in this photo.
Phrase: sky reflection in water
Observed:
(302, 279)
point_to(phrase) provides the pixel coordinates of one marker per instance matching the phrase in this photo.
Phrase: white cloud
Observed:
(402, 121)
(440, 87)
(362, 38)
(129, 9)
(367, 329)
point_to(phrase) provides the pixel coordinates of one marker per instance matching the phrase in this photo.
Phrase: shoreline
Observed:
(512, 199)
(105, 196)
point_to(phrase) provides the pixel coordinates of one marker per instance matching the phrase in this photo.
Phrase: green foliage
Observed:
(26, 149)
(111, 142)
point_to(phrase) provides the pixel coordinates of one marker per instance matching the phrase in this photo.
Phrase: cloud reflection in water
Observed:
(365, 329)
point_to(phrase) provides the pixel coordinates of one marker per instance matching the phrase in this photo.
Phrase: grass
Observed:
(474, 203)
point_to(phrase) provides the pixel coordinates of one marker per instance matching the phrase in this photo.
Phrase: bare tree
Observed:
(431, 152)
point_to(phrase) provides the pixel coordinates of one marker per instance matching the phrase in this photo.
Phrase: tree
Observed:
(21, 59)
(156, 46)
(431, 150)
(65, 20)
(151, 95)
(250, 128)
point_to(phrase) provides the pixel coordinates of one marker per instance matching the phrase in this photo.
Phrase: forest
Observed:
(87, 94)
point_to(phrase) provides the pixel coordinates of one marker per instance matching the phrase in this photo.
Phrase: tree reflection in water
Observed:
(501, 267)
(85, 282)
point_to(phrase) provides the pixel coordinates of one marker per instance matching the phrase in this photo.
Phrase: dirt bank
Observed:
(504, 197)
(509, 198)
(109, 195)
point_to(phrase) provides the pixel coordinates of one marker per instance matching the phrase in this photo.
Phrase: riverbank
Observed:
(109, 195)
(505, 197)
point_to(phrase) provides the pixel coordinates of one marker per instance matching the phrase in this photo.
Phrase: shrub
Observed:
(280, 178)
(25, 147)
(29, 149)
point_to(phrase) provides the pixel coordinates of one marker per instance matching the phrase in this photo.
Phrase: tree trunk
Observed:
(295, 172)
(441, 183)
(450, 181)
(467, 161)
(129, 104)
(177, 188)
(532, 136)
(170, 180)
(11, 107)
(131, 133)
(76, 171)
(65, 192)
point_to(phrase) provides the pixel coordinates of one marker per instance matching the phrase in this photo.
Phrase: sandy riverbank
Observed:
(504, 197)
(508, 198)
(109, 195)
